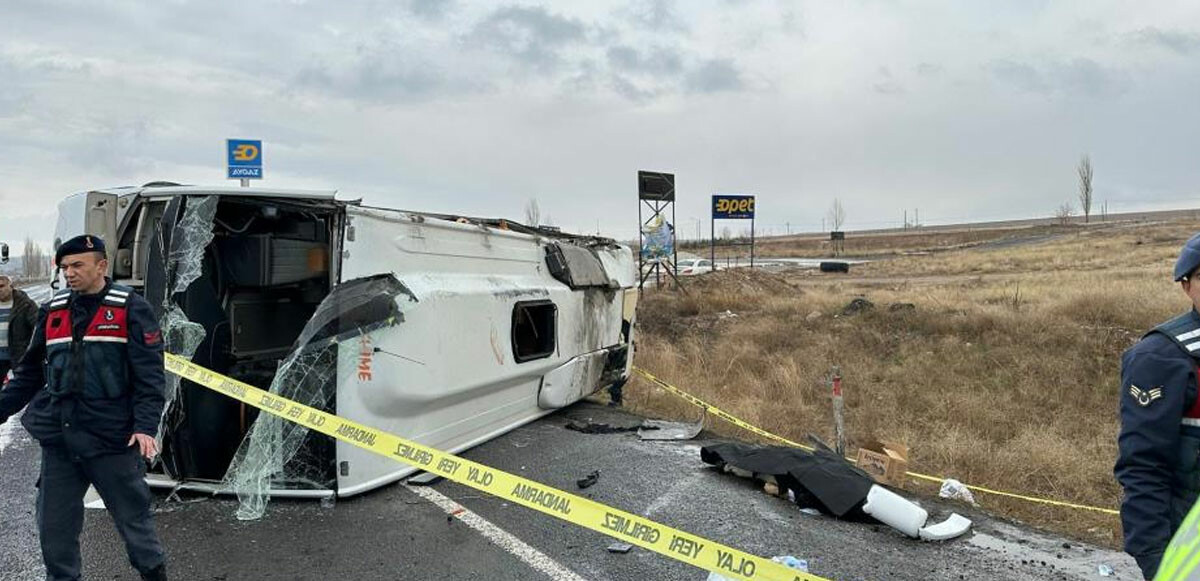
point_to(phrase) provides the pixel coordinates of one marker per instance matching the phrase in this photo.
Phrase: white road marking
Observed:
(91, 499)
(8, 431)
(676, 493)
(498, 536)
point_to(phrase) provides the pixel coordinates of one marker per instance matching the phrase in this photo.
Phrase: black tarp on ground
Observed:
(819, 479)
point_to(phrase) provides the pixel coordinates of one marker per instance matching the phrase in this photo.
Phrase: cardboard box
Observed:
(886, 462)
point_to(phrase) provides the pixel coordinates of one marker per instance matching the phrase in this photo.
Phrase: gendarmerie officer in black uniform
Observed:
(1158, 462)
(93, 379)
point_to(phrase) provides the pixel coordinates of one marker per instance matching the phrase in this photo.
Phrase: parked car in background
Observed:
(694, 266)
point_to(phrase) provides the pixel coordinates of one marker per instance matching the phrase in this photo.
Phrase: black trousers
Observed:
(120, 480)
(5, 365)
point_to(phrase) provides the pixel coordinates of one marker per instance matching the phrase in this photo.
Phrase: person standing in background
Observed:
(18, 316)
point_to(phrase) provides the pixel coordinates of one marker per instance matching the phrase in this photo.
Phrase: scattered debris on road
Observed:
(955, 490)
(787, 561)
(664, 430)
(597, 428)
(589, 480)
(886, 462)
(951, 528)
(620, 548)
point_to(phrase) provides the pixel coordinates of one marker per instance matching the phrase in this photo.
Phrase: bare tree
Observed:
(27, 257)
(43, 261)
(1064, 213)
(1085, 187)
(34, 261)
(533, 212)
(837, 215)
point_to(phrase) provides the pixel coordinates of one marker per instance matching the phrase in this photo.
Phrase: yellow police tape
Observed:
(627, 527)
(718, 412)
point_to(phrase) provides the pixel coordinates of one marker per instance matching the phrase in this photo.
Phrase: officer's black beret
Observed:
(1189, 258)
(79, 245)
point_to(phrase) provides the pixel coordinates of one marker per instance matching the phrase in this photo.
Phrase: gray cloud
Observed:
(13, 96)
(929, 69)
(1019, 75)
(431, 9)
(714, 76)
(380, 79)
(531, 34)
(887, 83)
(658, 60)
(628, 89)
(114, 148)
(1177, 41)
(1078, 77)
(1087, 77)
(655, 16)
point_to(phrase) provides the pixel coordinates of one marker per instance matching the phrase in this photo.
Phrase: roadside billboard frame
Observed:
(731, 207)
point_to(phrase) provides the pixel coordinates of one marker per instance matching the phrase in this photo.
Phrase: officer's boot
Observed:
(159, 573)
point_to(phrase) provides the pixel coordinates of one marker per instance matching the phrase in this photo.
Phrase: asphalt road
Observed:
(400, 533)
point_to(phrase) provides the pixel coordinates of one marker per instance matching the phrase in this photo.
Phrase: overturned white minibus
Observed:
(447, 330)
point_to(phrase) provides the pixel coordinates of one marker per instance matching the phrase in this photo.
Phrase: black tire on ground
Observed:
(835, 267)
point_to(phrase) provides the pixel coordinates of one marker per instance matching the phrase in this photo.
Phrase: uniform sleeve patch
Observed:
(1144, 397)
(153, 338)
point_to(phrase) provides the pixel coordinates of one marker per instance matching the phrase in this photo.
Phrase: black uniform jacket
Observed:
(91, 427)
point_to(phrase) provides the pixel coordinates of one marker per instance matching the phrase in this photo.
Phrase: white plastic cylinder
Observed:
(895, 511)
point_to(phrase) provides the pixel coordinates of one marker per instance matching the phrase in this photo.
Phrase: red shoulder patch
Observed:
(152, 338)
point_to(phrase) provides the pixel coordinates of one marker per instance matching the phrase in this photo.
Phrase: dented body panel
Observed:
(448, 376)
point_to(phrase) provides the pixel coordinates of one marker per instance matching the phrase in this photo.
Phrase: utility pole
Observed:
(906, 219)
(917, 219)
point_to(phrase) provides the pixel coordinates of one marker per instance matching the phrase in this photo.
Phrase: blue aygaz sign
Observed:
(245, 158)
(733, 207)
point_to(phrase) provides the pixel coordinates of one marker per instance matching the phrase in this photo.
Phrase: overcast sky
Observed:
(965, 110)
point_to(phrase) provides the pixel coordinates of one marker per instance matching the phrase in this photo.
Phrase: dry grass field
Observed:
(1004, 372)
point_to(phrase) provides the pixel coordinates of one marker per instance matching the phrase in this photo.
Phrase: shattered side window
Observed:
(576, 266)
(185, 258)
(274, 453)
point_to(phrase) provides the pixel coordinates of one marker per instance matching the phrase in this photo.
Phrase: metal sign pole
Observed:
(751, 243)
(658, 263)
(641, 243)
(674, 247)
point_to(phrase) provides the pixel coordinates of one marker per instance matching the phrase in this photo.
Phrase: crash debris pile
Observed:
(824, 481)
